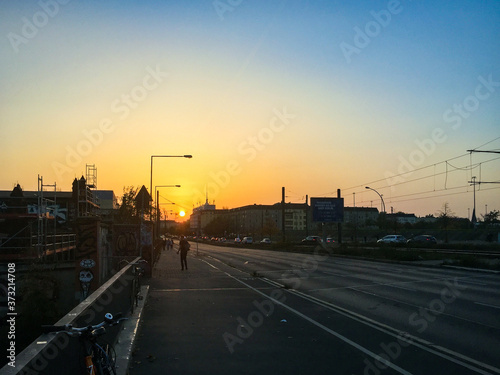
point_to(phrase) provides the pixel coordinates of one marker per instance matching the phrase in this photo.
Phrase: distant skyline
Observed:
(309, 95)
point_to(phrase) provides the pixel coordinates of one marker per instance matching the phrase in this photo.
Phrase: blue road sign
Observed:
(327, 210)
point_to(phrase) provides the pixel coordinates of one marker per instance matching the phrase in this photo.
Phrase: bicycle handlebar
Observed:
(109, 320)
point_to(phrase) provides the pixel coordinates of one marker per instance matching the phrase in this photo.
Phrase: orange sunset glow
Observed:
(262, 97)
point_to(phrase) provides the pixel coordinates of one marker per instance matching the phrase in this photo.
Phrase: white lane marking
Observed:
(326, 329)
(410, 339)
(338, 274)
(463, 281)
(485, 304)
(201, 289)
(402, 287)
(362, 291)
(444, 353)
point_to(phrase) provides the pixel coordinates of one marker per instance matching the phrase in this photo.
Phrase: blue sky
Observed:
(225, 68)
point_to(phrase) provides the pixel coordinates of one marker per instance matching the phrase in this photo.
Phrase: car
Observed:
(311, 240)
(423, 238)
(237, 240)
(247, 240)
(266, 240)
(392, 238)
(330, 240)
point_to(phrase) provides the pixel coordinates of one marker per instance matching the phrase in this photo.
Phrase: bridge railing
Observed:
(62, 354)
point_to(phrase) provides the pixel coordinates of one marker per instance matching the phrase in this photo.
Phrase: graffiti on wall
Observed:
(53, 211)
(126, 240)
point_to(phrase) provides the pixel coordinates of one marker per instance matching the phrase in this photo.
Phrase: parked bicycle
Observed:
(100, 358)
(138, 272)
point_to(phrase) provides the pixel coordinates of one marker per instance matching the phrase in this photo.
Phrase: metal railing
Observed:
(60, 246)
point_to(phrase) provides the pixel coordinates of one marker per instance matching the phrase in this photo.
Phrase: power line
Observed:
(434, 174)
(418, 169)
(487, 143)
(402, 174)
(395, 200)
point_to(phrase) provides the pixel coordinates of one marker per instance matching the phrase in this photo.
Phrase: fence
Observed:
(48, 247)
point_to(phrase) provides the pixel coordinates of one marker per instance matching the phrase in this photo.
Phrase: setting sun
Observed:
(182, 213)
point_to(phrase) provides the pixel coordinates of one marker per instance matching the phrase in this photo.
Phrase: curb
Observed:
(125, 343)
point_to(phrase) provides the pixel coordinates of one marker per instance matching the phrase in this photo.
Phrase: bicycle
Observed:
(99, 359)
(137, 272)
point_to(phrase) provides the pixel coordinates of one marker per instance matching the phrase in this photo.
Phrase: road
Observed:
(254, 311)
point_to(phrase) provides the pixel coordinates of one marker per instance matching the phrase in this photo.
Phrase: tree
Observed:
(444, 218)
(127, 213)
(270, 227)
(218, 226)
(491, 217)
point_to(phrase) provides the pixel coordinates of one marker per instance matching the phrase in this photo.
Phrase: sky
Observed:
(313, 96)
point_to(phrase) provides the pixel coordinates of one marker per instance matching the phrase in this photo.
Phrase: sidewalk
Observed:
(185, 315)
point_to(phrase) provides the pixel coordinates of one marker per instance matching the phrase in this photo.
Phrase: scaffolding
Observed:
(43, 216)
(86, 187)
(91, 176)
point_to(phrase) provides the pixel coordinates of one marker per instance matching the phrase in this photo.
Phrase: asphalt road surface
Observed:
(250, 311)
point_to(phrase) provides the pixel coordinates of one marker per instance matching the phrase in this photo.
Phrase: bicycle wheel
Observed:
(105, 356)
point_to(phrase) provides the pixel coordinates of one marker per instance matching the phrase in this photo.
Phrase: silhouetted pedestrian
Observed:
(183, 249)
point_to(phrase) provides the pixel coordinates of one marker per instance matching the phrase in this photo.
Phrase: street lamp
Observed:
(162, 156)
(157, 197)
(162, 186)
(383, 204)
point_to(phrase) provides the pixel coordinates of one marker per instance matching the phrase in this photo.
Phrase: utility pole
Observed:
(473, 182)
(339, 223)
(355, 217)
(307, 214)
(283, 212)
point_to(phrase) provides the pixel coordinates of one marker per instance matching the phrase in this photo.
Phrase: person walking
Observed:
(183, 249)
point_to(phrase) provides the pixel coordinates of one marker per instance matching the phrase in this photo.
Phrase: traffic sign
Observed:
(87, 263)
(86, 276)
(327, 210)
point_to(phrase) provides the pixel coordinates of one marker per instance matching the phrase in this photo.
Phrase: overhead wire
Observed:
(449, 168)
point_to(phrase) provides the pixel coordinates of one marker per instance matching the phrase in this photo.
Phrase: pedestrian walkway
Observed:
(168, 264)
(184, 318)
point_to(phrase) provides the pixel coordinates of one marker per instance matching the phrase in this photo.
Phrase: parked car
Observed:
(237, 240)
(247, 240)
(311, 240)
(330, 240)
(392, 238)
(423, 238)
(266, 241)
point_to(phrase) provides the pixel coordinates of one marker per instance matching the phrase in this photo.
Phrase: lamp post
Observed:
(162, 156)
(151, 189)
(157, 197)
(383, 204)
